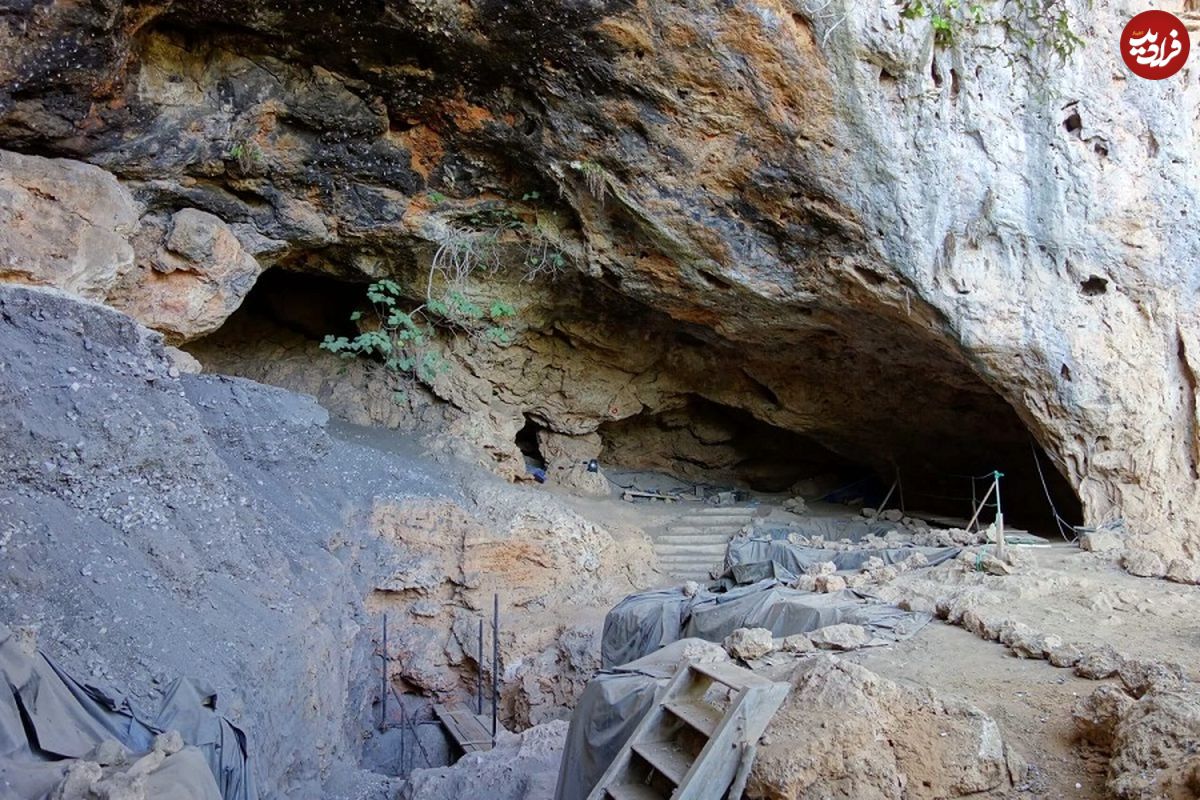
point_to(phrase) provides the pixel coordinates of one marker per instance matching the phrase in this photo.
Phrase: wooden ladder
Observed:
(698, 738)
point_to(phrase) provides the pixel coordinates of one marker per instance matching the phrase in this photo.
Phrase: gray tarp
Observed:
(611, 706)
(642, 623)
(48, 720)
(837, 528)
(746, 551)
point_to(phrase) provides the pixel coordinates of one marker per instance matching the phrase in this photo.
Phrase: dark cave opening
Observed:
(934, 476)
(527, 442)
(874, 412)
(307, 304)
(708, 442)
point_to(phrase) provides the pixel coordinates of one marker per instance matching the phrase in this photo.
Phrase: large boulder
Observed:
(846, 732)
(1154, 747)
(64, 223)
(521, 767)
(192, 274)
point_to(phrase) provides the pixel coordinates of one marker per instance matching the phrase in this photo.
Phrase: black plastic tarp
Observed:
(775, 548)
(49, 720)
(644, 622)
(611, 706)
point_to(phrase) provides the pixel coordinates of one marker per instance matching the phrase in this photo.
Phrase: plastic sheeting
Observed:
(745, 551)
(644, 622)
(48, 720)
(611, 706)
(837, 528)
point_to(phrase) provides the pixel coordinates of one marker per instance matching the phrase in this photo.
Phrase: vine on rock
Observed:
(1031, 23)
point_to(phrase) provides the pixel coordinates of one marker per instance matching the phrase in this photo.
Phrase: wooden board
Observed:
(472, 733)
(629, 495)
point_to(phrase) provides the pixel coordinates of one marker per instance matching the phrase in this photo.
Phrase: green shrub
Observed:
(401, 341)
(1032, 23)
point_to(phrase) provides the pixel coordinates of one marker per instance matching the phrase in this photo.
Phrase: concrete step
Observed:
(715, 514)
(714, 550)
(718, 539)
(687, 558)
(729, 529)
(728, 533)
(695, 563)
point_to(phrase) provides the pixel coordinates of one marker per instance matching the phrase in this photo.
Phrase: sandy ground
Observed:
(1083, 596)
(1030, 700)
(1079, 596)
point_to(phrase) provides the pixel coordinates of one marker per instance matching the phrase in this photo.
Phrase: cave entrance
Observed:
(527, 442)
(706, 442)
(924, 471)
(285, 312)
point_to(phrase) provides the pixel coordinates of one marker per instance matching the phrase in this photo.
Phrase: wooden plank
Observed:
(731, 676)
(613, 775)
(720, 760)
(629, 495)
(669, 758)
(701, 716)
(467, 730)
(633, 791)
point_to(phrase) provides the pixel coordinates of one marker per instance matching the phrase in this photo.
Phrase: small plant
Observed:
(400, 342)
(246, 154)
(1031, 23)
(595, 177)
(437, 198)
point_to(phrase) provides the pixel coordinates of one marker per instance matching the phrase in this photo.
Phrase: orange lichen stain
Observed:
(627, 34)
(658, 270)
(424, 146)
(467, 117)
(778, 61)
(681, 36)
(697, 316)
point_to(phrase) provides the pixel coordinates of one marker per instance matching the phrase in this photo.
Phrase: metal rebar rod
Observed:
(383, 694)
(495, 663)
(479, 673)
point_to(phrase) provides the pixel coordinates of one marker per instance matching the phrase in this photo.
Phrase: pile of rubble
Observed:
(824, 577)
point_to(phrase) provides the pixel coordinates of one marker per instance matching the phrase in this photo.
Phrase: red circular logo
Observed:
(1154, 45)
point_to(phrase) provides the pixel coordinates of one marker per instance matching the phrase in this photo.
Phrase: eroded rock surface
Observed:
(845, 223)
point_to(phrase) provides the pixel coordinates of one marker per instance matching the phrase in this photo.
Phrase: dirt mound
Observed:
(521, 767)
(155, 525)
(1152, 741)
(846, 732)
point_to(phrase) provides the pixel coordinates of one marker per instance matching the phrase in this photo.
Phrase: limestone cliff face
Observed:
(909, 254)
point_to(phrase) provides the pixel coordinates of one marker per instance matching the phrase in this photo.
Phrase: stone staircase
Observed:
(694, 543)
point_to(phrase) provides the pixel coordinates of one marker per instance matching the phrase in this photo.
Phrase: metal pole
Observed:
(384, 685)
(403, 769)
(982, 503)
(883, 505)
(999, 518)
(495, 662)
(479, 673)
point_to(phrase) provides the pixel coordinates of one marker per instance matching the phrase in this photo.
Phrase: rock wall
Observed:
(914, 254)
(155, 525)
